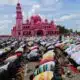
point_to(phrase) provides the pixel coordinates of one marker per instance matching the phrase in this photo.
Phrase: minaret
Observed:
(19, 17)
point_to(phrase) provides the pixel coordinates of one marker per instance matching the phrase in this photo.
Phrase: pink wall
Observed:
(32, 25)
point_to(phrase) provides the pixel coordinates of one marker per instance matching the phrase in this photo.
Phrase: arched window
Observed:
(29, 33)
(23, 33)
(19, 33)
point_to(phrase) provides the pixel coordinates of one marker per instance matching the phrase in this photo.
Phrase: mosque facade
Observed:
(34, 26)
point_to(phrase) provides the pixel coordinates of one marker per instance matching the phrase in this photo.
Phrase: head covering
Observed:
(49, 66)
(49, 54)
(48, 75)
(20, 49)
(11, 59)
(46, 60)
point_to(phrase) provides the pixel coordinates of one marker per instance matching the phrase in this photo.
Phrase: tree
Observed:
(63, 30)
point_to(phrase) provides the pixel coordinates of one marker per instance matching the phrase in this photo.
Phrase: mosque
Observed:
(34, 26)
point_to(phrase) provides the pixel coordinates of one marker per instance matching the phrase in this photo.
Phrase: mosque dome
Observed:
(36, 19)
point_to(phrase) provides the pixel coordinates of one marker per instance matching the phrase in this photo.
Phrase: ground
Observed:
(29, 69)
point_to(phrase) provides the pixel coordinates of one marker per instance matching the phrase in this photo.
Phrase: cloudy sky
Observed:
(64, 12)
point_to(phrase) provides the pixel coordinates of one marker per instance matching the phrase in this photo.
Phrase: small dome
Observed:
(27, 20)
(36, 18)
(46, 20)
(18, 4)
(52, 22)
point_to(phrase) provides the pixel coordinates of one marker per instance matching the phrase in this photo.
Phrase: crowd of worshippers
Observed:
(51, 62)
(54, 59)
(10, 60)
(12, 63)
(14, 57)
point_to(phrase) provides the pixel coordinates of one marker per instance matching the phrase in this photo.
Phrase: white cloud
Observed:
(68, 17)
(24, 16)
(8, 2)
(5, 21)
(36, 6)
(6, 16)
(49, 2)
(34, 9)
(14, 15)
(43, 17)
(49, 7)
(5, 26)
(45, 6)
(5, 29)
(28, 2)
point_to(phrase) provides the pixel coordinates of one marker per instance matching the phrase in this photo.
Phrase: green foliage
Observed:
(63, 30)
(77, 32)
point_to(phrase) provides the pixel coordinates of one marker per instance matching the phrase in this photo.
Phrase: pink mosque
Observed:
(34, 26)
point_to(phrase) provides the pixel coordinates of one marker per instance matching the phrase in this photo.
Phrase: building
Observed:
(5, 37)
(34, 26)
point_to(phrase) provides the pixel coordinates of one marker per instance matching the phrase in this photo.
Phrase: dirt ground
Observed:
(29, 69)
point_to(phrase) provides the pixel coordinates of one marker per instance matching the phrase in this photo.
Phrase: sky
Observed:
(63, 12)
